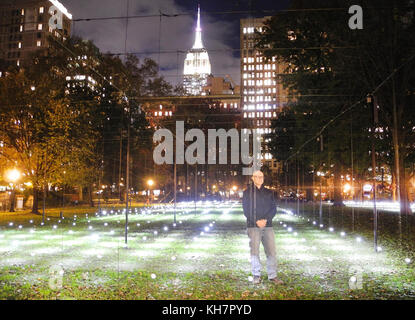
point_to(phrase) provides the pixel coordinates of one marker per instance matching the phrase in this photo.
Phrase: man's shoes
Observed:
(256, 280)
(276, 281)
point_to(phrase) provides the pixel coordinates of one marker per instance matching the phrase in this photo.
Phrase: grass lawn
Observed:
(85, 258)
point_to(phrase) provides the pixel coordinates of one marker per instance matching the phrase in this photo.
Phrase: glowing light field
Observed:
(205, 255)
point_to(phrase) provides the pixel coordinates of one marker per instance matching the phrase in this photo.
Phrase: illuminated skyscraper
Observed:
(196, 65)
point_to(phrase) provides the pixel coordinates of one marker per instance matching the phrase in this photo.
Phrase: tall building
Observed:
(262, 95)
(24, 27)
(196, 65)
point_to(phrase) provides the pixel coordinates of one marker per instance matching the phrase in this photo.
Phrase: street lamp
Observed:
(12, 175)
(150, 183)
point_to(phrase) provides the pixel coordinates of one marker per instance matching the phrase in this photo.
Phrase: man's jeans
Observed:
(267, 237)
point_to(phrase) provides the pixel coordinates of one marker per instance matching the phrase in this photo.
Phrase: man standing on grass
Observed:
(259, 209)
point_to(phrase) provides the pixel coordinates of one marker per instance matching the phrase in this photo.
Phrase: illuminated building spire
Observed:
(198, 39)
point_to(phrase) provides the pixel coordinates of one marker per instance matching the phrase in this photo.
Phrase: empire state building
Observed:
(196, 65)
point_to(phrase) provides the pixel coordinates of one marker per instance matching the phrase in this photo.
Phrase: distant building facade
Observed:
(262, 95)
(24, 28)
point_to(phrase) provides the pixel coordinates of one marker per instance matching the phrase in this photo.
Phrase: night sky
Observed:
(220, 31)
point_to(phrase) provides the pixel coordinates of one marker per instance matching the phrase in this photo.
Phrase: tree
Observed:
(330, 66)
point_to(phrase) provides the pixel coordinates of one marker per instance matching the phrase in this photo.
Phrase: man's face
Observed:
(258, 178)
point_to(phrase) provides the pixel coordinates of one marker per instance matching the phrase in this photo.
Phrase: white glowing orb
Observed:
(342, 233)
(11, 224)
(55, 227)
(165, 229)
(379, 249)
(289, 229)
(358, 239)
(155, 233)
(331, 229)
(250, 278)
(321, 225)
(407, 260)
(105, 224)
(206, 229)
(173, 258)
(153, 276)
(144, 238)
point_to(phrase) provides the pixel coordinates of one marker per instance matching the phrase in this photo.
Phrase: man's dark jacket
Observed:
(263, 201)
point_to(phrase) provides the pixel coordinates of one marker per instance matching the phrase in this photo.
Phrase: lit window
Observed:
(41, 9)
(39, 43)
(20, 45)
(39, 26)
(22, 12)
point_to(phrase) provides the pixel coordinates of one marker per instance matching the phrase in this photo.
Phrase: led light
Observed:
(155, 233)
(55, 227)
(289, 229)
(358, 239)
(321, 225)
(331, 229)
(10, 224)
(342, 233)
(90, 228)
(74, 224)
(105, 224)
(165, 229)
(314, 222)
(20, 227)
(138, 224)
(206, 229)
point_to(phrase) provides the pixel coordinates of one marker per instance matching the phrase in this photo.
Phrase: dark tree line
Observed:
(329, 67)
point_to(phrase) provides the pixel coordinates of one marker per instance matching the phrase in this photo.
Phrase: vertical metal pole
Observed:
(321, 178)
(127, 175)
(175, 188)
(127, 170)
(375, 214)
